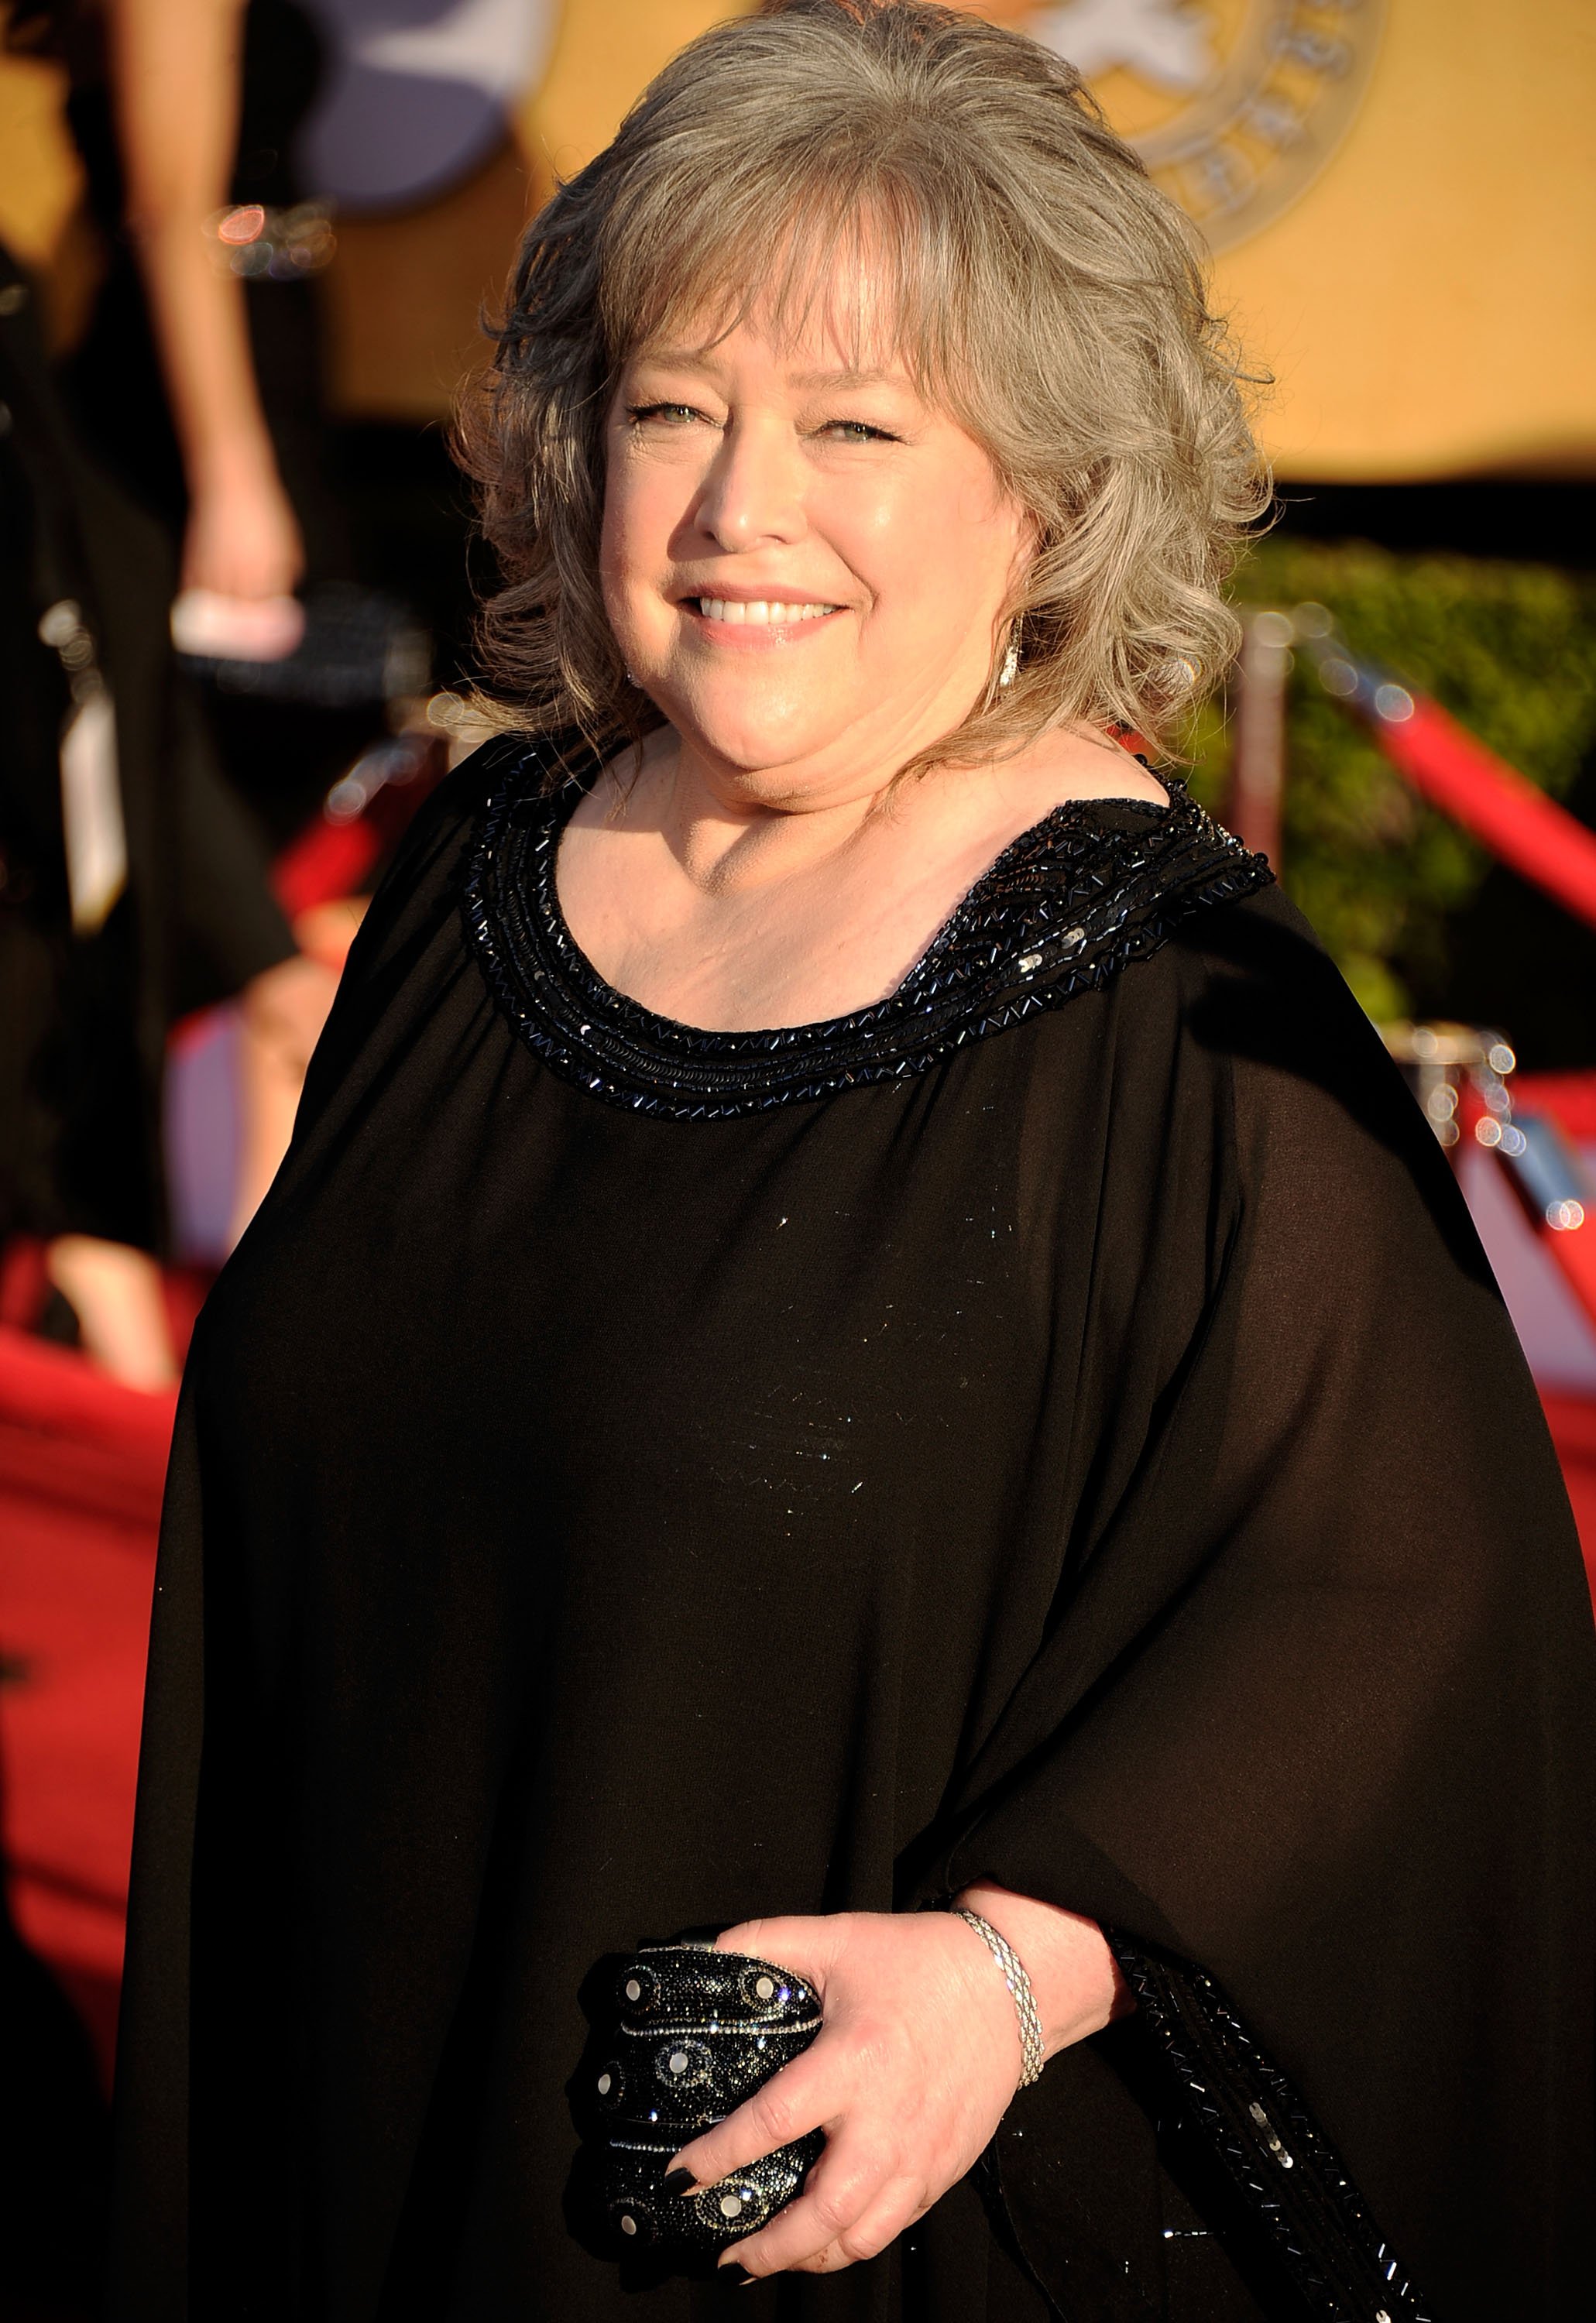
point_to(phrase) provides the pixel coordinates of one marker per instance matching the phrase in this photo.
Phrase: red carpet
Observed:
(81, 1464)
(1573, 1432)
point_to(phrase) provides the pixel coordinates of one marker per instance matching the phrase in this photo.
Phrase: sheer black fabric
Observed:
(1096, 1457)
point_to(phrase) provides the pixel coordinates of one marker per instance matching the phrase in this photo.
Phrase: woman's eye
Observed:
(671, 415)
(856, 431)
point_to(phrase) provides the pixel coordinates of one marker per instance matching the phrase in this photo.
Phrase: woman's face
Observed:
(804, 563)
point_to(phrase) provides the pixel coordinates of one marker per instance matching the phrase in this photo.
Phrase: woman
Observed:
(92, 987)
(857, 1322)
(201, 389)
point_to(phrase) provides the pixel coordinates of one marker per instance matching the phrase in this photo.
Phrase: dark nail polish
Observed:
(677, 2181)
(736, 2273)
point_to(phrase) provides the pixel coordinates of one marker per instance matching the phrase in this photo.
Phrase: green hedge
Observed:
(1510, 649)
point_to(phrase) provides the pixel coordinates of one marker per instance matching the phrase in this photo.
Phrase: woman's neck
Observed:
(733, 831)
(735, 907)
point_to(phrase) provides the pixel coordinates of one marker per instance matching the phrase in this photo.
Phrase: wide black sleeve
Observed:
(1311, 1735)
(409, 937)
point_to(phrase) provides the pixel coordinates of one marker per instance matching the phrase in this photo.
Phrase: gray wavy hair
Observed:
(1047, 295)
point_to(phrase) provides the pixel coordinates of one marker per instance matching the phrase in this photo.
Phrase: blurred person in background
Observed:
(198, 378)
(108, 736)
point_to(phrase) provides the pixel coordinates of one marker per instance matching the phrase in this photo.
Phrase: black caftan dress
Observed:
(1055, 1425)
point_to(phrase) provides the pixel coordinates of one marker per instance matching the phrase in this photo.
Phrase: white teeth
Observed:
(763, 609)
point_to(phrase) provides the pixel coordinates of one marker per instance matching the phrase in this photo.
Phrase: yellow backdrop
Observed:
(1426, 300)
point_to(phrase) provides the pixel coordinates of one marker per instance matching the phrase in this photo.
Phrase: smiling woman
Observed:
(954, 212)
(873, 1698)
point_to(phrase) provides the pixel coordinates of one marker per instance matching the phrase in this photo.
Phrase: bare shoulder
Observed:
(1069, 764)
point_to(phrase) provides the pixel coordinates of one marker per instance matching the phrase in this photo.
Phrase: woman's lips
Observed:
(771, 612)
(752, 621)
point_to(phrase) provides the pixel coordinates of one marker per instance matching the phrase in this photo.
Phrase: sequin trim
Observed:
(1060, 912)
(1289, 2175)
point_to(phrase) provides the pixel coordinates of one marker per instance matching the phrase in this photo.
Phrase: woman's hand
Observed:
(912, 2071)
(243, 536)
(176, 74)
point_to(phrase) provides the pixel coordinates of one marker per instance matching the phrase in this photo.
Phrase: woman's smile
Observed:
(756, 622)
(772, 612)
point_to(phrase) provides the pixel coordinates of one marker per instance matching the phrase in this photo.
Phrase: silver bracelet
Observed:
(1033, 2047)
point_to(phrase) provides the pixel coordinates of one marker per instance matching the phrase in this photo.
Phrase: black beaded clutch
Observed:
(691, 2032)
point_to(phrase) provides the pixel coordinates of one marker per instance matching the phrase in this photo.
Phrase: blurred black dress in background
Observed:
(85, 1016)
(113, 375)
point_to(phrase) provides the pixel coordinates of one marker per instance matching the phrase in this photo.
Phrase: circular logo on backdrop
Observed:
(1235, 105)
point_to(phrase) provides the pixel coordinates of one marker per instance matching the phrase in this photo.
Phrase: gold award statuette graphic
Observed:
(1235, 105)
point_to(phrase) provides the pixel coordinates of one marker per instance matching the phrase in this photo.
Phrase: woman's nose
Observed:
(753, 492)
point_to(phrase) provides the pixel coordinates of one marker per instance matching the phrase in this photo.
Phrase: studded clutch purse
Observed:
(691, 2032)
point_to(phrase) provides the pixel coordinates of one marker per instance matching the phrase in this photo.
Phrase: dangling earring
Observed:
(1011, 659)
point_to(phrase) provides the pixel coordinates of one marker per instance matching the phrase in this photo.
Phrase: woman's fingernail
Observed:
(734, 2273)
(677, 2181)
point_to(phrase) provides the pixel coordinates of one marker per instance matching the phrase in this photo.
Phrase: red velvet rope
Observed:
(325, 861)
(1519, 824)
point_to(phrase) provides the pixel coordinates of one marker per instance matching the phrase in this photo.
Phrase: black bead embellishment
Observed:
(1065, 908)
(1290, 2177)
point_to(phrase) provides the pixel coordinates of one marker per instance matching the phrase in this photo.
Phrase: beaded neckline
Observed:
(1094, 885)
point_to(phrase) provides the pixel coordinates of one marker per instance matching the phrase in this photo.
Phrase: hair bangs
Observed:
(851, 257)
